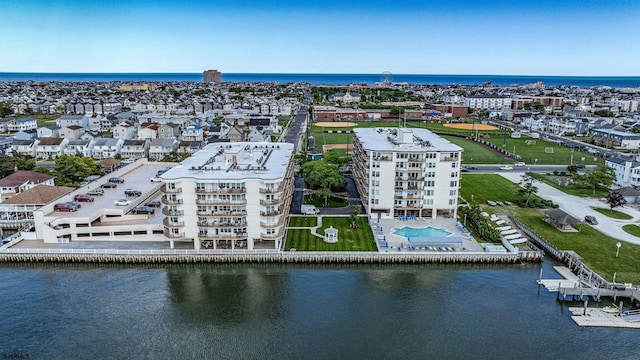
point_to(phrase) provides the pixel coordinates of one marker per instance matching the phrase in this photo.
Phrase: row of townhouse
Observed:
(557, 126)
(101, 148)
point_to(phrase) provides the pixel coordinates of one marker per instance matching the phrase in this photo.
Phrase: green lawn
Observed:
(300, 221)
(485, 187)
(537, 153)
(41, 120)
(319, 201)
(475, 153)
(613, 213)
(359, 239)
(567, 189)
(632, 229)
(597, 250)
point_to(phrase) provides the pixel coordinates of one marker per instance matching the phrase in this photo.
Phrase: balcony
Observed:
(168, 223)
(229, 236)
(168, 201)
(165, 189)
(271, 236)
(270, 202)
(166, 211)
(221, 191)
(449, 158)
(416, 160)
(271, 190)
(216, 224)
(173, 236)
(271, 213)
(220, 202)
(272, 225)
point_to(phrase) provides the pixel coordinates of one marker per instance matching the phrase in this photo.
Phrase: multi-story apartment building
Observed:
(230, 196)
(491, 102)
(422, 168)
(212, 76)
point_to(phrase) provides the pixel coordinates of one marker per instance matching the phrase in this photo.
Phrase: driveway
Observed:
(579, 207)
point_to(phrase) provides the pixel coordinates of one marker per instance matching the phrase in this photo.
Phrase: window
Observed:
(452, 192)
(428, 192)
(454, 183)
(429, 183)
(452, 201)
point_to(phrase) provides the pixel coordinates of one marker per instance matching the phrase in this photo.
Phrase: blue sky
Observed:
(544, 37)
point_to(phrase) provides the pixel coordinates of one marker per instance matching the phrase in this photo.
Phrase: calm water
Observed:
(293, 312)
(429, 231)
(335, 79)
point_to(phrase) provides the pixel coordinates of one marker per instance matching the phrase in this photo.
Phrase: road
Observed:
(579, 207)
(298, 125)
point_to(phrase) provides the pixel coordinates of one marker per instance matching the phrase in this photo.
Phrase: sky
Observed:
(489, 37)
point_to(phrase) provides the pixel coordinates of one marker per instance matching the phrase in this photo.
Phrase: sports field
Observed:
(480, 127)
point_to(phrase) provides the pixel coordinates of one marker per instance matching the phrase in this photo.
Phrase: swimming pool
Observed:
(428, 231)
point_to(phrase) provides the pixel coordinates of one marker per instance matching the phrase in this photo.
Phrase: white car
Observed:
(506, 167)
(122, 202)
(156, 179)
(519, 164)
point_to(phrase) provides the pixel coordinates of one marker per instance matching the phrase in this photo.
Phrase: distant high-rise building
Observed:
(211, 76)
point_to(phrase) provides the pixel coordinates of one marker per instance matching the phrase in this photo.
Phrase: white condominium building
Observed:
(230, 196)
(400, 172)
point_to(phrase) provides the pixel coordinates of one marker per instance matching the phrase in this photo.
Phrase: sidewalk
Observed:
(579, 207)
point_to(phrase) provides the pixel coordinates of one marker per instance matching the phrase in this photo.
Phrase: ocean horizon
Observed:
(334, 79)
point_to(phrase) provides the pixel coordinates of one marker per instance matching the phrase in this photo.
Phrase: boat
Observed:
(610, 309)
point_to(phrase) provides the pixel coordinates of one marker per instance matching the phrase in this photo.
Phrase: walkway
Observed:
(579, 207)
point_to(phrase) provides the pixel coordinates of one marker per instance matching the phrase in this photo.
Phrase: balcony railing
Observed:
(173, 236)
(168, 223)
(271, 236)
(272, 190)
(168, 212)
(165, 189)
(270, 202)
(230, 236)
(220, 202)
(221, 191)
(215, 224)
(271, 213)
(168, 201)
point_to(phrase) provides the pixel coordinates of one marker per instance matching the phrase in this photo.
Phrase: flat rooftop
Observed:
(403, 139)
(233, 161)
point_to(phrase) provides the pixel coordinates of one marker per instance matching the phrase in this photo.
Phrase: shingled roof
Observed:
(39, 195)
(22, 176)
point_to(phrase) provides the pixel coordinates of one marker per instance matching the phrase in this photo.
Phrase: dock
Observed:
(595, 317)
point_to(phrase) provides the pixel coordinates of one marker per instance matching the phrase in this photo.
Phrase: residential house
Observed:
(104, 148)
(235, 133)
(346, 97)
(257, 134)
(148, 131)
(50, 148)
(193, 133)
(616, 138)
(22, 180)
(23, 147)
(189, 146)
(124, 131)
(22, 124)
(159, 148)
(79, 147)
(169, 131)
(72, 132)
(135, 149)
(48, 131)
(26, 135)
(627, 171)
(71, 120)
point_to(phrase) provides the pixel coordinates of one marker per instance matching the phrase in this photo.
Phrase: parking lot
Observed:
(139, 178)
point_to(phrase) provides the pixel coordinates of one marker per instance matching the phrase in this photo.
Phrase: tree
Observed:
(353, 216)
(527, 188)
(71, 170)
(8, 164)
(324, 193)
(615, 199)
(175, 156)
(603, 175)
(320, 174)
(5, 110)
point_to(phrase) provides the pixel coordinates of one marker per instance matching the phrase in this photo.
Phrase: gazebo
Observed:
(331, 235)
(561, 220)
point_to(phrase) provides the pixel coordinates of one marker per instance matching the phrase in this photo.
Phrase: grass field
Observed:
(358, 239)
(632, 229)
(475, 153)
(613, 214)
(482, 187)
(41, 120)
(303, 221)
(319, 201)
(575, 191)
(537, 153)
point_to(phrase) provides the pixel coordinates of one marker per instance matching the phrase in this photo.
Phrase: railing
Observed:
(271, 236)
(271, 213)
(165, 189)
(221, 224)
(270, 202)
(221, 191)
(416, 160)
(168, 223)
(220, 202)
(270, 225)
(271, 190)
(173, 236)
(230, 236)
(168, 201)
(166, 211)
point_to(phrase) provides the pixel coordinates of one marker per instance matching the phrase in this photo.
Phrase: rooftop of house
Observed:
(23, 176)
(403, 139)
(39, 195)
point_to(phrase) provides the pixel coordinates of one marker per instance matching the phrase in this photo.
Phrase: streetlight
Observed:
(618, 245)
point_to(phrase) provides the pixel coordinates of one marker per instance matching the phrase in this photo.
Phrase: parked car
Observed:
(94, 192)
(506, 167)
(109, 185)
(132, 192)
(84, 183)
(156, 179)
(122, 202)
(116, 180)
(142, 210)
(519, 163)
(591, 220)
(64, 207)
(83, 198)
(74, 203)
(153, 203)
(91, 178)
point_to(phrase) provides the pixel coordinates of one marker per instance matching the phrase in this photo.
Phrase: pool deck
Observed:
(395, 241)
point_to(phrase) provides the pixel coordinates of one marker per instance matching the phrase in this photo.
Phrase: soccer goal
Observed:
(530, 142)
(548, 150)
